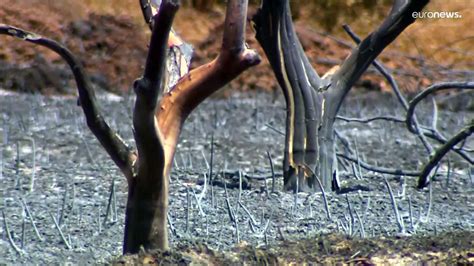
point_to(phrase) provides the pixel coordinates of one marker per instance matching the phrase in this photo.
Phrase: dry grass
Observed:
(446, 42)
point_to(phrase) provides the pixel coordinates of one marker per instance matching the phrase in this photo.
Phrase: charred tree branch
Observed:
(393, 83)
(411, 119)
(111, 141)
(461, 151)
(441, 152)
(371, 119)
(200, 83)
(147, 12)
(433, 132)
(377, 169)
(364, 54)
(422, 95)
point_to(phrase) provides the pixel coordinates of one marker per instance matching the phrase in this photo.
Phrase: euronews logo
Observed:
(437, 15)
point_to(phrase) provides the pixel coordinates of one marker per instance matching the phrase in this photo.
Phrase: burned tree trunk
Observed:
(158, 122)
(158, 115)
(147, 204)
(313, 101)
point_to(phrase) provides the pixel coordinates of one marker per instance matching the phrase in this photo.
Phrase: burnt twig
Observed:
(10, 238)
(66, 242)
(401, 225)
(371, 119)
(379, 169)
(32, 220)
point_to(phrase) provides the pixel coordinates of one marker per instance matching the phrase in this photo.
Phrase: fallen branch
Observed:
(382, 170)
(371, 119)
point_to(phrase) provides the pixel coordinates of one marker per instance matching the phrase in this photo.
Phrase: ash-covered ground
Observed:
(51, 163)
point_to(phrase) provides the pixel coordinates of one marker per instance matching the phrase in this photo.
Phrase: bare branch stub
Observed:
(109, 139)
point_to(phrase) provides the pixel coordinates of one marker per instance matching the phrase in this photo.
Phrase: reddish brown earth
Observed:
(113, 49)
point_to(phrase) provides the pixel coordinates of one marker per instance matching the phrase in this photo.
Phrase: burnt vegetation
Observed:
(321, 163)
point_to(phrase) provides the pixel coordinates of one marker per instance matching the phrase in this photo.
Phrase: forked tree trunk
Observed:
(158, 121)
(313, 101)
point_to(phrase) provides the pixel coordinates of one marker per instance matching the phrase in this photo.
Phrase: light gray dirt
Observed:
(73, 176)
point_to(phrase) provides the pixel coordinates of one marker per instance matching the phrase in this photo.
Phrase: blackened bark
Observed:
(313, 102)
(147, 204)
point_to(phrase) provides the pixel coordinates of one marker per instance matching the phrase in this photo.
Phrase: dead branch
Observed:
(433, 88)
(412, 121)
(371, 119)
(379, 169)
(441, 152)
(433, 133)
(147, 12)
(393, 83)
(111, 141)
(461, 151)
(399, 18)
